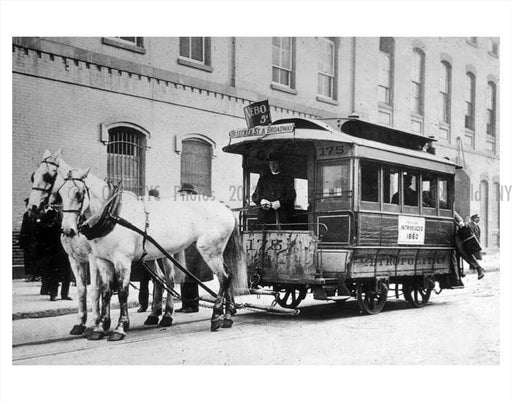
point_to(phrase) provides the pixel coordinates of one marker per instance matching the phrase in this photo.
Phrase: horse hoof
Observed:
(227, 323)
(216, 324)
(151, 320)
(77, 329)
(88, 331)
(96, 335)
(165, 322)
(126, 326)
(116, 336)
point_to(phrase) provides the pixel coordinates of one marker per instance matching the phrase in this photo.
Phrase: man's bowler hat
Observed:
(188, 188)
(274, 156)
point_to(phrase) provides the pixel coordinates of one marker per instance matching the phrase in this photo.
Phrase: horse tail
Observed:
(234, 258)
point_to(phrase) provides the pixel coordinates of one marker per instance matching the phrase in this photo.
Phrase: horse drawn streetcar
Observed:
(373, 210)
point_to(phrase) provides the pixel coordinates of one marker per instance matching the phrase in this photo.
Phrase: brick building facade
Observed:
(179, 97)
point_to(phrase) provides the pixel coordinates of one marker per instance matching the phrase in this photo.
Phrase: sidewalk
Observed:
(28, 303)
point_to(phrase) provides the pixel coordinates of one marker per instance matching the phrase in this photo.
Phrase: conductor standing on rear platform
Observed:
(275, 194)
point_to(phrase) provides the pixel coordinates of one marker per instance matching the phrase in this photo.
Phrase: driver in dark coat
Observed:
(275, 194)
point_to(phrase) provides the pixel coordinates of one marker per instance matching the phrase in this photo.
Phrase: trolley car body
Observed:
(373, 208)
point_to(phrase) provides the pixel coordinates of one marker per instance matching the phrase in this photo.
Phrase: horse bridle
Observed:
(83, 191)
(48, 190)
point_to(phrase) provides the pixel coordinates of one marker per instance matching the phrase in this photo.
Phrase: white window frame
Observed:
(330, 76)
(280, 66)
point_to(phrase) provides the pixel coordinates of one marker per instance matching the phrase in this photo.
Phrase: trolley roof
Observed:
(363, 134)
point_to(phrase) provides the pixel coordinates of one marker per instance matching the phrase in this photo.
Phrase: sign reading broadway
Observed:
(263, 130)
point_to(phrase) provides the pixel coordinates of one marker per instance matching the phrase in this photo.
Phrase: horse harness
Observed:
(47, 178)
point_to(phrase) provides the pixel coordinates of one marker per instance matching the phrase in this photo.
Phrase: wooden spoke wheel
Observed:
(416, 294)
(290, 297)
(371, 301)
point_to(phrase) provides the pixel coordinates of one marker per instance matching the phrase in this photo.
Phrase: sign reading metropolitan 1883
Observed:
(411, 230)
(264, 130)
(257, 114)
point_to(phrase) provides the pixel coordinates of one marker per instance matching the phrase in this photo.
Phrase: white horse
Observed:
(46, 181)
(175, 225)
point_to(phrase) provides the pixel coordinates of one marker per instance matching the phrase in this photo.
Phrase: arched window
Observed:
(469, 119)
(445, 92)
(418, 74)
(385, 83)
(386, 52)
(125, 158)
(196, 164)
(491, 109)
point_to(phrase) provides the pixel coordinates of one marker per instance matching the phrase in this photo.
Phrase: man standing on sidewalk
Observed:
(476, 231)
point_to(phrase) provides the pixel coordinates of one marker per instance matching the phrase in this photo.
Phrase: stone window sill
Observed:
(123, 45)
(283, 88)
(194, 64)
(324, 99)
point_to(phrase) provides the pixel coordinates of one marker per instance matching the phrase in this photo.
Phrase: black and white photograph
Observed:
(256, 201)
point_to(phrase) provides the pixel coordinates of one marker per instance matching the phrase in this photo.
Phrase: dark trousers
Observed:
(53, 271)
(144, 288)
(190, 295)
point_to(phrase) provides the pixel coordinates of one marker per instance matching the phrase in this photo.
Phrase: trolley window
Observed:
(391, 176)
(429, 193)
(369, 181)
(445, 198)
(335, 179)
(410, 188)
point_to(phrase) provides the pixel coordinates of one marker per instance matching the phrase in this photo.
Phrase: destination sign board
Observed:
(257, 114)
(261, 131)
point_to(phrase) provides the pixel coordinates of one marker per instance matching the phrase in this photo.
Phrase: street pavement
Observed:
(28, 303)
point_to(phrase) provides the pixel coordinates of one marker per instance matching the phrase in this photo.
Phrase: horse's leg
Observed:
(123, 268)
(80, 273)
(104, 279)
(166, 320)
(230, 305)
(94, 293)
(156, 305)
(213, 257)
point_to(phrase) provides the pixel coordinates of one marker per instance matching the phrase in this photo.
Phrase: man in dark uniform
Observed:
(194, 263)
(52, 261)
(275, 194)
(473, 225)
(27, 243)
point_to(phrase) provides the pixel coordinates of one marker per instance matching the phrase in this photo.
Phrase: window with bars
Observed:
(445, 92)
(125, 158)
(385, 92)
(418, 81)
(195, 48)
(282, 61)
(491, 109)
(196, 165)
(469, 112)
(327, 68)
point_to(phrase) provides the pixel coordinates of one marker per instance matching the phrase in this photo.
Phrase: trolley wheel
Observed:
(369, 300)
(416, 294)
(290, 297)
